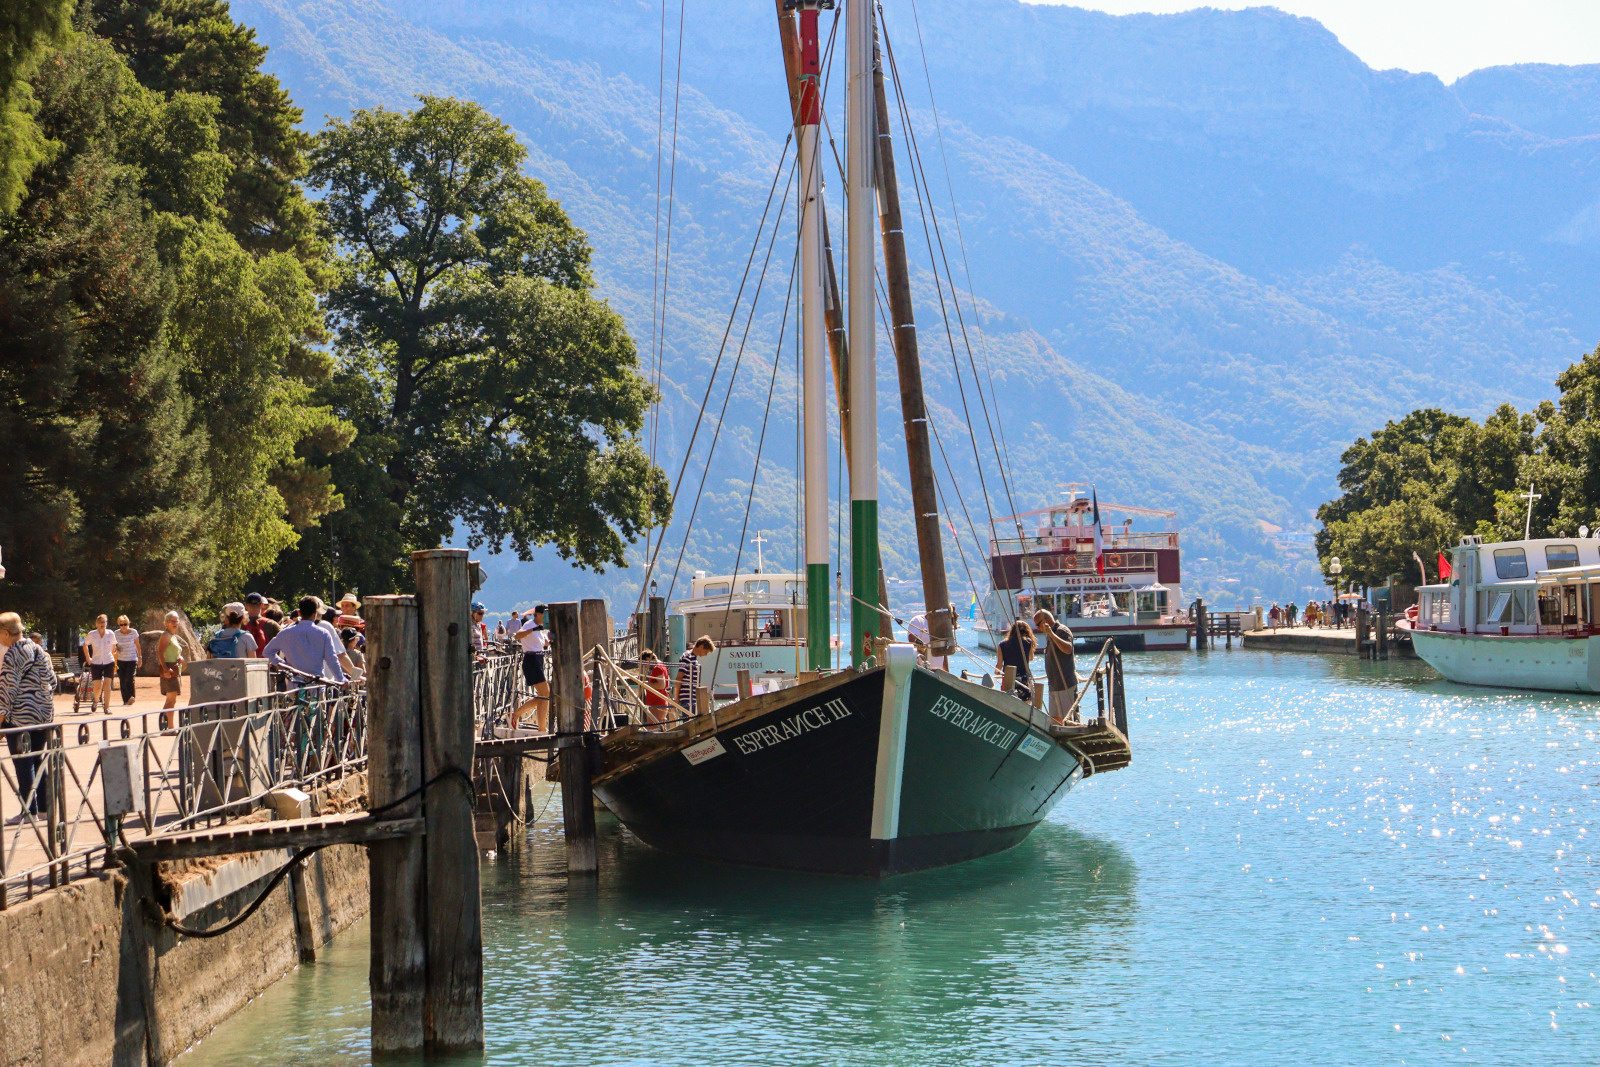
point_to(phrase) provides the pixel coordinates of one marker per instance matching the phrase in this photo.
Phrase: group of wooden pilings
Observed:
(1374, 633)
(1207, 628)
(426, 970)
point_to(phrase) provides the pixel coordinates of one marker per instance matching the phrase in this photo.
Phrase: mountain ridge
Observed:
(1119, 279)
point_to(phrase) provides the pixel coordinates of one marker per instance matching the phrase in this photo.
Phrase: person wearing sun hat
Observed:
(350, 613)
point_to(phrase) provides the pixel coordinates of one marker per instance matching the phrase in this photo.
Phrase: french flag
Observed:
(1099, 541)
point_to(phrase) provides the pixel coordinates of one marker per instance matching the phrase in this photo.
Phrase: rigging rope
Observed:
(761, 441)
(732, 378)
(733, 315)
(935, 239)
(663, 265)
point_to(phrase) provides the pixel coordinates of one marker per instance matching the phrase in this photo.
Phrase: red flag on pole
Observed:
(1099, 541)
(1444, 567)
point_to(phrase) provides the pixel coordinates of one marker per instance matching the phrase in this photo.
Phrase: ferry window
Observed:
(1071, 605)
(1519, 607)
(758, 587)
(798, 588)
(1556, 556)
(1549, 606)
(1510, 563)
(760, 624)
(1147, 601)
(1497, 612)
(718, 589)
(1120, 603)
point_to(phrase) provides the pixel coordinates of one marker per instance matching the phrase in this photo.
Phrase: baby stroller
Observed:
(85, 693)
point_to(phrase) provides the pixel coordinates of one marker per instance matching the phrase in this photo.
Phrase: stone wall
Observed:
(89, 974)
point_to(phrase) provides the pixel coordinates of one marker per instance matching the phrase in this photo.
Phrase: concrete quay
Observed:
(1329, 641)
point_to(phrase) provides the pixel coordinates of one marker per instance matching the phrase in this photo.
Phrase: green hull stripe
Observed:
(863, 574)
(817, 620)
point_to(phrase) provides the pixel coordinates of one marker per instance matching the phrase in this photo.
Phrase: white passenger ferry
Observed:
(1134, 598)
(1519, 614)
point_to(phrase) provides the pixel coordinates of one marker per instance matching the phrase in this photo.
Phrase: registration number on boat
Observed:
(697, 754)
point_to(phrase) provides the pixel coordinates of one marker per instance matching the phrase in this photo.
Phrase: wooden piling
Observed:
(592, 627)
(1363, 630)
(703, 705)
(1200, 635)
(743, 675)
(656, 627)
(1038, 695)
(397, 973)
(566, 693)
(1008, 679)
(1381, 636)
(453, 1006)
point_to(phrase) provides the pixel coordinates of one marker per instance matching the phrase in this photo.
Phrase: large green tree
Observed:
(104, 483)
(1424, 480)
(498, 393)
(247, 254)
(29, 30)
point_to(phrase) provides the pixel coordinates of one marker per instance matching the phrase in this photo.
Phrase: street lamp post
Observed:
(1335, 568)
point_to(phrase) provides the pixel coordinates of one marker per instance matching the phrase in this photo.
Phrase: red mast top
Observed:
(810, 65)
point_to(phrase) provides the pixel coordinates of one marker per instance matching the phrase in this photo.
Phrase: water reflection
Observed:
(1316, 856)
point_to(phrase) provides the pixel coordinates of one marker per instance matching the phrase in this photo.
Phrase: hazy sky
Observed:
(1447, 37)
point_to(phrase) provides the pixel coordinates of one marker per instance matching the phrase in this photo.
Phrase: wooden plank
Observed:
(453, 1005)
(511, 746)
(566, 691)
(397, 972)
(356, 828)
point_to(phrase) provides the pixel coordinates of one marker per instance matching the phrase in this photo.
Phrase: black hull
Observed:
(857, 774)
(823, 855)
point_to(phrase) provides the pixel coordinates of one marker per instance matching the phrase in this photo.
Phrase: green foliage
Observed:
(158, 297)
(1421, 482)
(496, 390)
(177, 47)
(105, 483)
(28, 30)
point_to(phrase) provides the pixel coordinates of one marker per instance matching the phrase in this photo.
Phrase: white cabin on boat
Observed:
(1522, 614)
(757, 620)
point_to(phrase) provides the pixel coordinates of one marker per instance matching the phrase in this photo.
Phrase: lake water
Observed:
(1311, 858)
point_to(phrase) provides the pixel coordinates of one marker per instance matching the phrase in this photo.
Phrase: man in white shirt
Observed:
(535, 642)
(101, 647)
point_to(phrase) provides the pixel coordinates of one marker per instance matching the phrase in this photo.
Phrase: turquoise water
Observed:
(1310, 857)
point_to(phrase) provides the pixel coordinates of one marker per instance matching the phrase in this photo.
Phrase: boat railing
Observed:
(1050, 542)
(1109, 696)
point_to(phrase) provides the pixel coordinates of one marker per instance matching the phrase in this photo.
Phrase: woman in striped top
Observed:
(27, 695)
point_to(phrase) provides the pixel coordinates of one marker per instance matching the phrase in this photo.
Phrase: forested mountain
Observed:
(1206, 249)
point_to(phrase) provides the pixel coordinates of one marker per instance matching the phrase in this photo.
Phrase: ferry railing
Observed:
(497, 687)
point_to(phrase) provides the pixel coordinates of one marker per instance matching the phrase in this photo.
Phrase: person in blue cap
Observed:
(480, 629)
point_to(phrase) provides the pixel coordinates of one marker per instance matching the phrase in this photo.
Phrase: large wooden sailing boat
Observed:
(887, 766)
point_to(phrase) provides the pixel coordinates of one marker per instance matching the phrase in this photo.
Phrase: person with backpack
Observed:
(233, 641)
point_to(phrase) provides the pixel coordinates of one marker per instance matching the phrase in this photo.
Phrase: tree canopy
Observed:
(490, 387)
(1421, 482)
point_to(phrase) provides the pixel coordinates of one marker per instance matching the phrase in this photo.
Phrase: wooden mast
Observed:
(913, 407)
(833, 306)
(861, 314)
(813, 337)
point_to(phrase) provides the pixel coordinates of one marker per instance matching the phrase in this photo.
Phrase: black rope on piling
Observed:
(305, 853)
